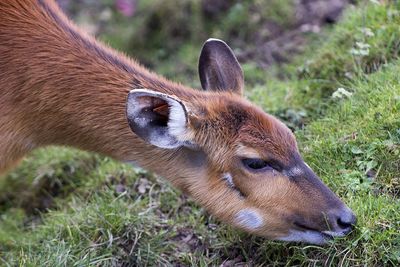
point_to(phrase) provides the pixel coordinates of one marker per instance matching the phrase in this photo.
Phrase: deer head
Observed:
(242, 164)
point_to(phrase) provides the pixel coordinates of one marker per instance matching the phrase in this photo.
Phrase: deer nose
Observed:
(343, 220)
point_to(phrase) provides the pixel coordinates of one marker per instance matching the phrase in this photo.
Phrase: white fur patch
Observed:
(142, 122)
(228, 178)
(249, 219)
(177, 119)
(163, 141)
(133, 110)
(294, 171)
(312, 237)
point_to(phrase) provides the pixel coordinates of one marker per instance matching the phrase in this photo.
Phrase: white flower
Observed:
(341, 93)
(367, 32)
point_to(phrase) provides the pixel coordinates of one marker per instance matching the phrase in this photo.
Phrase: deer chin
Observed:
(312, 236)
(307, 236)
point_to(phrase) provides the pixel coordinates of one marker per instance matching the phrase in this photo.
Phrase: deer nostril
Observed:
(346, 219)
(343, 225)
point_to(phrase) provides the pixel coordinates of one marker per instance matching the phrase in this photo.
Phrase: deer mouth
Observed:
(305, 228)
(306, 234)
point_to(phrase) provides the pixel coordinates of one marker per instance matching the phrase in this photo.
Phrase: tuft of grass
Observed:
(355, 148)
(365, 40)
(52, 173)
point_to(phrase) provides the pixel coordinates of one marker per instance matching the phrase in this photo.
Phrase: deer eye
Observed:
(256, 164)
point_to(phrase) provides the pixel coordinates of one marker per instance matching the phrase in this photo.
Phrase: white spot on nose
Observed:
(249, 219)
(294, 171)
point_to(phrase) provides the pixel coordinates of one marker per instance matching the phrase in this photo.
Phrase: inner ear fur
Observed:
(157, 118)
(219, 69)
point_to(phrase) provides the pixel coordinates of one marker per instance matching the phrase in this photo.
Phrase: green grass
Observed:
(367, 39)
(63, 207)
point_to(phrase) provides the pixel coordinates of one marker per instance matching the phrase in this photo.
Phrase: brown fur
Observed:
(59, 86)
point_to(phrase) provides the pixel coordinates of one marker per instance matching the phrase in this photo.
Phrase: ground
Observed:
(339, 91)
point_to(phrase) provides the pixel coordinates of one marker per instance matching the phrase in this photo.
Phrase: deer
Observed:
(60, 86)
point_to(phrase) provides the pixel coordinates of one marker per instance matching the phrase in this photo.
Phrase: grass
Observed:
(366, 40)
(63, 207)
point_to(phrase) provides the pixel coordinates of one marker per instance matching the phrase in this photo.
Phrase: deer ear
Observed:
(219, 69)
(157, 118)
